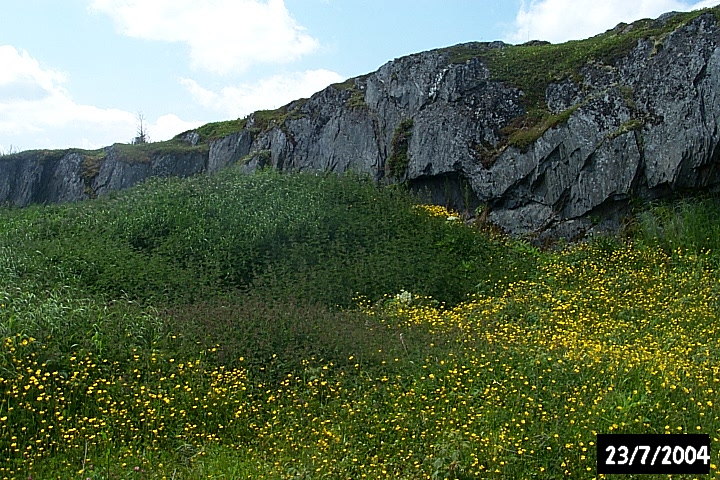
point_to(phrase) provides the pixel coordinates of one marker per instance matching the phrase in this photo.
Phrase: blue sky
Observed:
(76, 73)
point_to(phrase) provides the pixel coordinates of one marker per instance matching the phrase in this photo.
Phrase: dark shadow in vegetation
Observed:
(451, 190)
(277, 337)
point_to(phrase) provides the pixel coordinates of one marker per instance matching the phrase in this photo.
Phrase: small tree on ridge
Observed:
(142, 136)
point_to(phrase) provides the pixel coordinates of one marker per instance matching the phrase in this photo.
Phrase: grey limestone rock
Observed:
(643, 126)
(118, 171)
(41, 177)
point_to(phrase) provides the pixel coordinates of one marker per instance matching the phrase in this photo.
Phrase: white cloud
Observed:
(268, 93)
(36, 111)
(224, 36)
(561, 20)
(19, 69)
(167, 126)
(33, 100)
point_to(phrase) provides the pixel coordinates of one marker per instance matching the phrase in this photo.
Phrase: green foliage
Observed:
(357, 99)
(247, 272)
(398, 160)
(92, 161)
(349, 84)
(357, 94)
(525, 130)
(689, 225)
(144, 152)
(258, 387)
(264, 120)
(41, 155)
(629, 126)
(215, 130)
(178, 240)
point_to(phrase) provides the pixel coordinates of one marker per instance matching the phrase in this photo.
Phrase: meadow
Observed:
(310, 326)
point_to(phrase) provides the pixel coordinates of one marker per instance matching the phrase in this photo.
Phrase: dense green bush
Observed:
(398, 161)
(320, 237)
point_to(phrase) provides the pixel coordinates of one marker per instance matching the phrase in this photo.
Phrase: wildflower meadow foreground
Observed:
(513, 381)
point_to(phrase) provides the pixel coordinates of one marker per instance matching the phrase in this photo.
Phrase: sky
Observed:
(80, 73)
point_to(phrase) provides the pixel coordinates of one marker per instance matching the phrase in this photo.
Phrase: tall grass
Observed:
(689, 224)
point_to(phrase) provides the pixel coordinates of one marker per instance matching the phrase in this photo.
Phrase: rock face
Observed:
(642, 123)
(40, 177)
(118, 170)
(67, 176)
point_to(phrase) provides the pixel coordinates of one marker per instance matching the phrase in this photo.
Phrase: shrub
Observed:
(398, 160)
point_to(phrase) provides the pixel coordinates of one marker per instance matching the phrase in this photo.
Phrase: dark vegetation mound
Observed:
(319, 238)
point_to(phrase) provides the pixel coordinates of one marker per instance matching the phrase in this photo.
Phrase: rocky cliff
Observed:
(541, 137)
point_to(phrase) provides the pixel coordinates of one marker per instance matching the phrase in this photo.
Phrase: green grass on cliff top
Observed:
(533, 66)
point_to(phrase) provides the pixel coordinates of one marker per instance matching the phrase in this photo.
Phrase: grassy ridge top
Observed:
(532, 67)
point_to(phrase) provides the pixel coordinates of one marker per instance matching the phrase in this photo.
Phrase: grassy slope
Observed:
(175, 240)
(190, 329)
